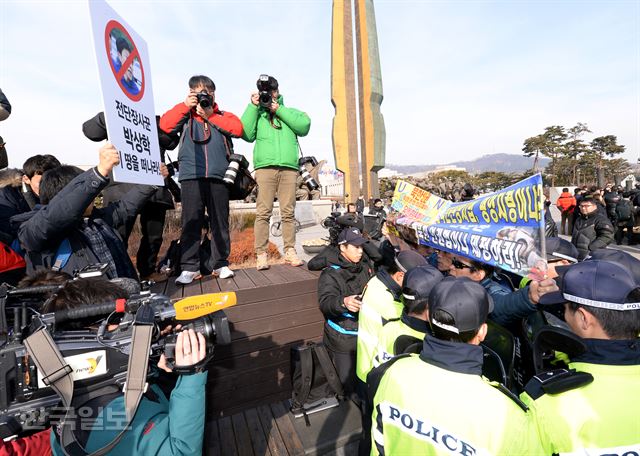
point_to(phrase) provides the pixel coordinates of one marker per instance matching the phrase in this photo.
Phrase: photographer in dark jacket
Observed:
(203, 157)
(339, 288)
(591, 230)
(153, 213)
(68, 233)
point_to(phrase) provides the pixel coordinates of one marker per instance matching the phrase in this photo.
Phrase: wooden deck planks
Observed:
(275, 442)
(256, 433)
(209, 284)
(288, 433)
(241, 432)
(227, 438)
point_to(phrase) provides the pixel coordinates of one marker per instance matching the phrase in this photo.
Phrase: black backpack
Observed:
(623, 210)
(313, 377)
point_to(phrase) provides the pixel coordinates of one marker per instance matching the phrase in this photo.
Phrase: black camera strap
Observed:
(299, 147)
(56, 373)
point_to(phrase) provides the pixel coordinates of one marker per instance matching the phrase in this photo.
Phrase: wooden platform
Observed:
(277, 309)
(270, 430)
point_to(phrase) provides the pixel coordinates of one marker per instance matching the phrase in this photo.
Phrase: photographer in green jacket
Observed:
(275, 129)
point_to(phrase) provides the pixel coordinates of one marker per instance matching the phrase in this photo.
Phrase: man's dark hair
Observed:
(38, 164)
(618, 324)
(80, 292)
(122, 44)
(414, 306)
(206, 81)
(351, 205)
(588, 199)
(44, 277)
(445, 318)
(55, 180)
(479, 266)
(565, 189)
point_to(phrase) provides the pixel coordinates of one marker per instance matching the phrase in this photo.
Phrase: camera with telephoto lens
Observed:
(204, 99)
(98, 358)
(266, 84)
(307, 178)
(236, 162)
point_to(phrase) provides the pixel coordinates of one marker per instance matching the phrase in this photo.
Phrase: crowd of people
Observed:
(47, 214)
(406, 325)
(595, 218)
(51, 229)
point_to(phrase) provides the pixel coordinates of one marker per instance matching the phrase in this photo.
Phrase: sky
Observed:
(461, 79)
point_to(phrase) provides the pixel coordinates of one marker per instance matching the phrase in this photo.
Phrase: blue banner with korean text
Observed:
(503, 229)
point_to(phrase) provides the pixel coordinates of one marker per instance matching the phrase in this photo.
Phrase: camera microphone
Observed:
(131, 286)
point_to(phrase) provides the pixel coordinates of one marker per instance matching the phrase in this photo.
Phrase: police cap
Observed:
(466, 301)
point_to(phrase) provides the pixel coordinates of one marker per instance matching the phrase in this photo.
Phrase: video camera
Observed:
(97, 356)
(370, 225)
(336, 222)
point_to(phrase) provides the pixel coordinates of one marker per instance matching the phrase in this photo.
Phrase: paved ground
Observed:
(305, 234)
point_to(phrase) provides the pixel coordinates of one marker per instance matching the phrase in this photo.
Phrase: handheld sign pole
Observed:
(125, 80)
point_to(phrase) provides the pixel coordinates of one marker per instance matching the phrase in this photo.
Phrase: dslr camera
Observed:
(307, 178)
(204, 99)
(97, 355)
(266, 84)
(236, 163)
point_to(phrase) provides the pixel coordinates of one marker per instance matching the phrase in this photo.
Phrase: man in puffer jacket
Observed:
(566, 203)
(591, 230)
(275, 158)
(203, 159)
(339, 289)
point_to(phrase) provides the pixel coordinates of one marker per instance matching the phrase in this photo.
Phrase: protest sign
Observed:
(125, 80)
(418, 204)
(504, 228)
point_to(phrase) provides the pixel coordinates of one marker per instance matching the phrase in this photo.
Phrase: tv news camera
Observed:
(96, 356)
(370, 225)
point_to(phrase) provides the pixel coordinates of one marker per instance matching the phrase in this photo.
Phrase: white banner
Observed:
(127, 94)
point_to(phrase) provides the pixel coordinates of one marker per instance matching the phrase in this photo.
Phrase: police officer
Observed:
(339, 288)
(381, 301)
(416, 286)
(592, 407)
(414, 321)
(438, 402)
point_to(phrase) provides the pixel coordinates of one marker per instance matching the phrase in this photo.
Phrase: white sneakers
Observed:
(224, 272)
(187, 277)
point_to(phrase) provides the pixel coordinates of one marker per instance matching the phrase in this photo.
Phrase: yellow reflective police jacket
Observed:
(437, 403)
(405, 326)
(381, 302)
(599, 418)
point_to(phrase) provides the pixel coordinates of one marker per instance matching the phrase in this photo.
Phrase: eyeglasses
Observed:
(460, 265)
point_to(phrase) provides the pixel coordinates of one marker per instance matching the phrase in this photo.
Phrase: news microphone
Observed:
(200, 305)
(185, 309)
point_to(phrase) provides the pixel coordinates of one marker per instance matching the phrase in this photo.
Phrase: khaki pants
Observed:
(272, 182)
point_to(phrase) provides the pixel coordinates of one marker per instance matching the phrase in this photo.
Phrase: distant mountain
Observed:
(506, 163)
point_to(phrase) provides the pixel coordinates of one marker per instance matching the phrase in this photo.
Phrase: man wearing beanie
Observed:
(437, 402)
